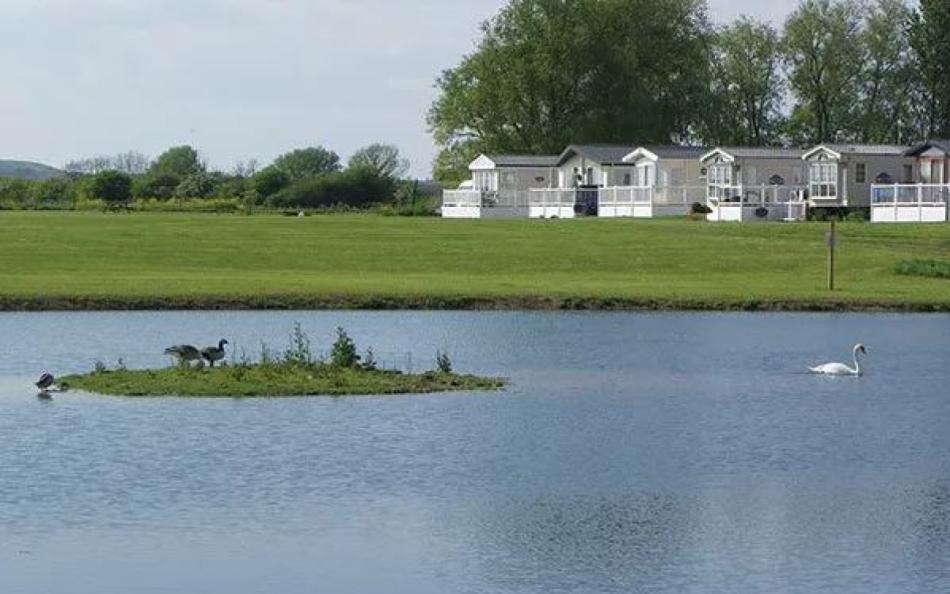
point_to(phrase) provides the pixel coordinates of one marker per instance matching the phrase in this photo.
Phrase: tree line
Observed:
(312, 177)
(547, 73)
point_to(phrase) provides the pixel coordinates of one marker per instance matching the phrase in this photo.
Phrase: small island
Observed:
(291, 373)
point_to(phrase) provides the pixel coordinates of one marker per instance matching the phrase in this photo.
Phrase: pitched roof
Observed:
(604, 154)
(524, 160)
(762, 152)
(676, 152)
(923, 147)
(867, 149)
(754, 152)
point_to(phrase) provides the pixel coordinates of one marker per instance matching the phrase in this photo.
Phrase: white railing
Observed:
(461, 199)
(909, 203)
(891, 194)
(647, 201)
(552, 202)
(486, 199)
(764, 202)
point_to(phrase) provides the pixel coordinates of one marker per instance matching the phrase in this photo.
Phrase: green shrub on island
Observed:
(292, 373)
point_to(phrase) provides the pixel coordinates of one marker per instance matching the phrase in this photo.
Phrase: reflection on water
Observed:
(632, 452)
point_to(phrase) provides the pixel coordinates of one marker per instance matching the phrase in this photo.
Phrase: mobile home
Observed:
(924, 197)
(754, 184)
(666, 181)
(843, 175)
(500, 186)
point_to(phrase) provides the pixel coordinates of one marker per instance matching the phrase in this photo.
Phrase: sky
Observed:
(237, 79)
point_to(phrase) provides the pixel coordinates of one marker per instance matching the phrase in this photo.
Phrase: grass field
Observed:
(91, 260)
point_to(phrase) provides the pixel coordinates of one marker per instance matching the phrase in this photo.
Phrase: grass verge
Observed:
(95, 261)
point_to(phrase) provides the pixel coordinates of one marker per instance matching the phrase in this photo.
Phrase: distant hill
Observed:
(28, 170)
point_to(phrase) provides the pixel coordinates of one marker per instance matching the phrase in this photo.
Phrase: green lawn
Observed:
(146, 260)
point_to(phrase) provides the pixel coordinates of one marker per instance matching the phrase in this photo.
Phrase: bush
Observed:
(156, 185)
(839, 213)
(298, 353)
(858, 215)
(353, 187)
(198, 185)
(442, 362)
(112, 187)
(14, 194)
(699, 208)
(207, 205)
(270, 181)
(924, 268)
(56, 193)
(344, 351)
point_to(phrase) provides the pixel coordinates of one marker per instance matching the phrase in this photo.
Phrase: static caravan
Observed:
(931, 162)
(500, 186)
(842, 175)
(754, 184)
(582, 171)
(924, 193)
(666, 181)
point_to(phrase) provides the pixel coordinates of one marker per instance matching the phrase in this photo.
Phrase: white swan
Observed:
(841, 368)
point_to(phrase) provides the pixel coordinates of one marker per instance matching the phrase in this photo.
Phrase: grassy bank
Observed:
(273, 380)
(153, 261)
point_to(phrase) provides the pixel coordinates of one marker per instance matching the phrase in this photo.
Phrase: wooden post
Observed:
(831, 241)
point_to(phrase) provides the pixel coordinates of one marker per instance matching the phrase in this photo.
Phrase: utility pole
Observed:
(831, 240)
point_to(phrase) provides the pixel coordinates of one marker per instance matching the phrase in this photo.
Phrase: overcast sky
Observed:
(238, 79)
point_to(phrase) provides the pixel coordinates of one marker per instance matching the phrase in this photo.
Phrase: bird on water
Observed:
(841, 368)
(45, 382)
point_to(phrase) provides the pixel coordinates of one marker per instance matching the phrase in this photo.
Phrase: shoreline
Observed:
(393, 303)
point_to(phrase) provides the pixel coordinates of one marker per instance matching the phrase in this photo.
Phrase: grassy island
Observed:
(273, 380)
(294, 372)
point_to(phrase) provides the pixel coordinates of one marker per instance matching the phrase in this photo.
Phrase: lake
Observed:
(631, 452)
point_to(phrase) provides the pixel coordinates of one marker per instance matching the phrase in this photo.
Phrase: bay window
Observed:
(824, 180)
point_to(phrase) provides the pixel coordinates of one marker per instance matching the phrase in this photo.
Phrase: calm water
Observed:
(658, 453)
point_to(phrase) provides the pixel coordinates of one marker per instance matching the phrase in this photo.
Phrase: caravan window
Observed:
(719, 181)
(860, 173)
(824, 180)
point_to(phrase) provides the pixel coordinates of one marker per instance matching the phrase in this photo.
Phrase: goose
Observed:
(185, 353)
(841, 368)
(45, 382)
(214, 354)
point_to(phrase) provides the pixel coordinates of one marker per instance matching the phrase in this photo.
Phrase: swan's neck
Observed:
(857, 364)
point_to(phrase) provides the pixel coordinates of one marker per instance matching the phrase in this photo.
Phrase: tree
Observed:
(131, 162)
(451, 163)
(270, 180)
(246, 168)
(198, 185)
(180, 161)
(88, 165)
(309, 162)
(57, 192)
(825, 57)
(889, 89)
(155, 185)
(383, 159)
(110, 186)
(747, 85)
(930, 40)
(547, 73)
(353, 187)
